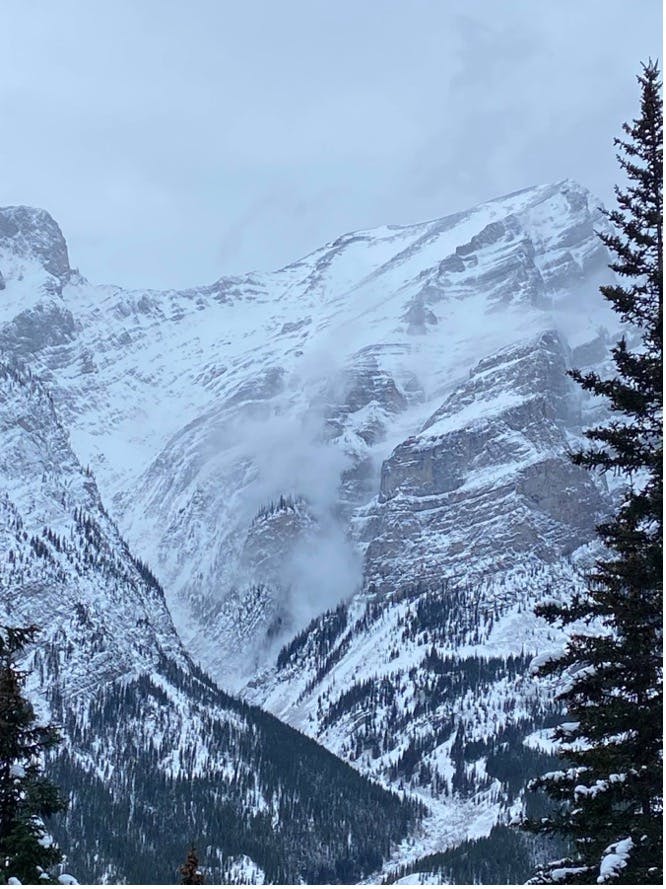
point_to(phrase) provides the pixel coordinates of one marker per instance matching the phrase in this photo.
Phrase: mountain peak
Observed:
(30, 232)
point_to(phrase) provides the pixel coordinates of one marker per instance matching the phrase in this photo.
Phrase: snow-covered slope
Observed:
(65, 566)
(153, 752)
(198, 408)
(366, 448)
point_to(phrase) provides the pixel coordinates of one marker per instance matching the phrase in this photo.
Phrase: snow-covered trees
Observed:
(26, 796)
(610, 793)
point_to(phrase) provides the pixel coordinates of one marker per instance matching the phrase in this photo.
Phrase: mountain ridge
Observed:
(401, 395)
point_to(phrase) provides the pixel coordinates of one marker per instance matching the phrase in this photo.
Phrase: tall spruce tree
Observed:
(189, 872)
(609, 795)
(26, 796)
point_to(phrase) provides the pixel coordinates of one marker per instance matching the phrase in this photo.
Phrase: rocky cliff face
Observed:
(360, 457)
(486, 482)
(28, 234)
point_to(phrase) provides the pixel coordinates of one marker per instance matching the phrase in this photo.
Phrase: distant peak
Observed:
(31, 231)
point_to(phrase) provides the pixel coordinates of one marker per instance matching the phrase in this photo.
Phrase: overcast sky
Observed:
(179, 140)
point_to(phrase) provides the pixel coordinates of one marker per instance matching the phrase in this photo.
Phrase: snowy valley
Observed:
(330, 494)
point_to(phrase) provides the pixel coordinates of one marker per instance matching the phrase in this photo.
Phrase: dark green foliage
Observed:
(283, 504)
(613, 736)
(26, 796)
(189, 872)
(434, 688)
(505, 856)
(502, 857)
(329, 627)
(315, 819)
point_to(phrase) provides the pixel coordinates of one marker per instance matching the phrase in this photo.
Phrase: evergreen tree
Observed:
(610, 793)
(190, 873)
(26, 796)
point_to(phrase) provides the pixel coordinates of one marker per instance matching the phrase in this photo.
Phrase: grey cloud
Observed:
(175, 142)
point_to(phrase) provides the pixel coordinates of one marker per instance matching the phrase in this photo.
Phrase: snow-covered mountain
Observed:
(153, 752)
(350, 475)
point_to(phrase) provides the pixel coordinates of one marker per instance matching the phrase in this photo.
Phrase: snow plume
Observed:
(291, 457)
(321, 573)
